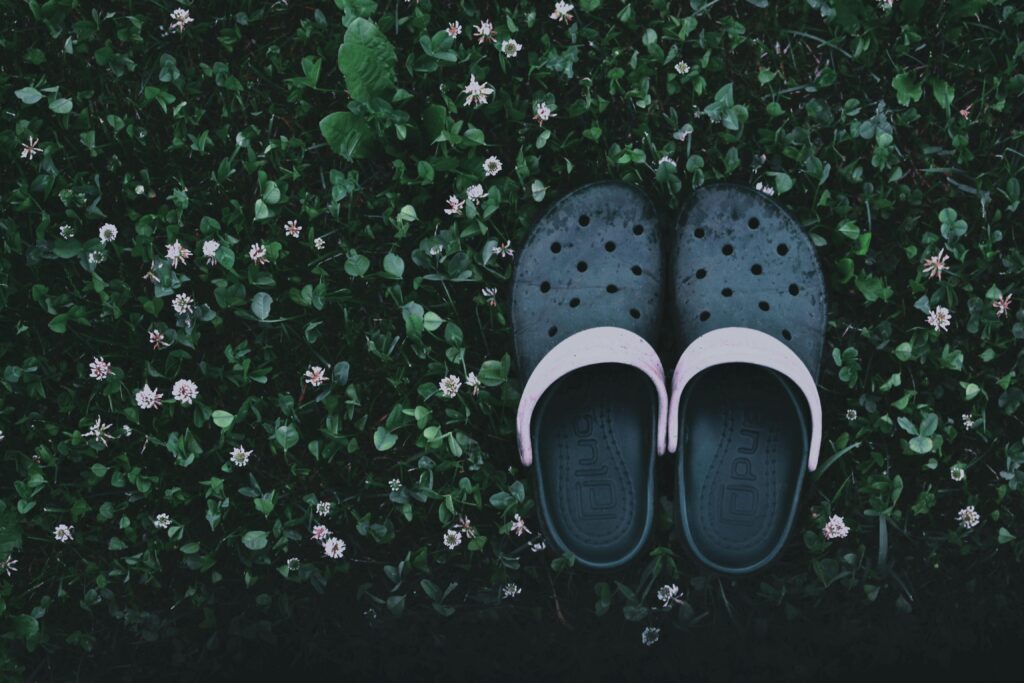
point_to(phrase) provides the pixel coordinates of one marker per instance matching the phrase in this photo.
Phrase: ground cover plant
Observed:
(256, 362)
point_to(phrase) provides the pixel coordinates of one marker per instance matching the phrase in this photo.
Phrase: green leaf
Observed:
(260, 305)
(61, 105)
(286, 436)
(358, 8)
(347, 134)
(28, 95)
(367, 61)
(223, 418)
(1005, 536)
(356, 264)
(383, 440)
(23, 625)
(255, 540)
(921, 444)
(907, 90)
(394, 266)
(943, 92)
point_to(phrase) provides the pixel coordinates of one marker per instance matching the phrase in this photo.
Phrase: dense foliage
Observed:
(892, 132)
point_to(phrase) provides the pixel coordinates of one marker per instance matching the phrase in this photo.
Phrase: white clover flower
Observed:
(835, 528)
(667, 160)
(162, 521)
(320, 244)
(66, 232)
(562, 11)
(180, 18)
(395, 485)
(473, 382)
(452, 539)
(491, 295)
(455, 205)
(939, 318)
(886, 5)
(108, 233)
(156, 338)
(765, 188)
(64, 533)
(504, 250)
(474, 193)
(454, 29)
(185, 391)
(96, 257)
(147, 398)
(476, 93)
(510, 590)
(436, 250)
(99, 431)
(518, 526)
(851, 414)
(292, 564)
(968, 517)
(315, 375)
(8, 566)
(934, 266)
(682, 67)
(968, 421)
(683, 133)
(511, 47)
(320, 532)
(99, 369)
(139, 189)
(465, 526)
(1002, 305)
(484, 32)
(239, 456)
(292, 228)
(537, 546)
(126, 429)
(668, 594)
(182, 303)
(492, 166)
(323, 508)
(334, 548)
(258, 254)
(30, 149)
(177, 254)
(210, 248)
(957, 472)
(650, 635)
(450, 386)
(542, 112)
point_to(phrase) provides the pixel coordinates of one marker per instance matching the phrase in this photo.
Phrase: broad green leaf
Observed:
(260, 305)
(383, 440)
(28, 95)
(367, 61)
(347, 134)
(223, 418)
(907, 89)
(286, 436)
(255, 540)
(394, 266)
(61, 105)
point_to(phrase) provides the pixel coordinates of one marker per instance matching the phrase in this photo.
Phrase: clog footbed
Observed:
(740, 260)
(592, 260)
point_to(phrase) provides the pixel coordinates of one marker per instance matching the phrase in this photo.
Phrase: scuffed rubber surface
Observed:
(742, 260)
(742, 460)
(593, 259)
